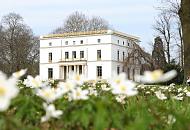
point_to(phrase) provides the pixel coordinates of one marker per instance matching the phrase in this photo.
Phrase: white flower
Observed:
(188, 94)
(153, 89)
(180, 94)
(141, 86)
(116, 80)
(180, 89)
(185, 90)
(177, 98)
(120, 85)
(78, 94)
(19, 73)
(66, 86)
(49, 94)
(171, 119)
(147, 92)
(78, 79)
(92, 91)
(33, 82)
(172, 85)
(50, 112)
(105, 88)
(164, 88)
(160, 95)
(8, 90)
(126, 88)
(156, 76)
(120, 99)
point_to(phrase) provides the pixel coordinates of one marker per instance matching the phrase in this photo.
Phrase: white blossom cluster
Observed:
(75, 89)
(8, 88)
(165, 92)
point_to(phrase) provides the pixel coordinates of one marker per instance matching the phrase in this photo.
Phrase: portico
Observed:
(67, 68)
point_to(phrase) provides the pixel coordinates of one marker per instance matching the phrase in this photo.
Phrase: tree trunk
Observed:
(185, 21)
(182, 48)
(168, 52)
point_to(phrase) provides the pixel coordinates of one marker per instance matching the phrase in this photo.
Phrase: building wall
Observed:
(44, 55)
(106, 69)
(44, 71)
(109, 46)
(87, 40)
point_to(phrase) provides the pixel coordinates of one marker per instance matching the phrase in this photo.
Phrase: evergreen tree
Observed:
(158, 54)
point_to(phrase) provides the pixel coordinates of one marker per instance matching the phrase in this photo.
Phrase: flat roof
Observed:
(87, 33)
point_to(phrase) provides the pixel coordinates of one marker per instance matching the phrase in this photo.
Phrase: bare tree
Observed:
(184, 14)
(139, 58)
(179, 40)
(76, 22)
(164, 28)
(17, 44)
(97, 23)
(58, 30)
(171, 8)
(79, 22)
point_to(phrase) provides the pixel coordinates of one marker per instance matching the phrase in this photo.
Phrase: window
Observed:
(74, 42)
(123, 56)
(66, 42)
(81, 41)
(99, 71)
(72, 68)
(98, 54)
(80, 69)
(73, 54)
(99, 40)
(118, 70)
(50, 43)
(128, 43)
(123, 43)
(81, 54)
(50, 57)
(123, 69)
(50, 73)
(118, 55)
(118, 41)
(66, 55)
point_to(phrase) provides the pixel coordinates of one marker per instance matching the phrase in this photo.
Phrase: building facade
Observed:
(95, 54)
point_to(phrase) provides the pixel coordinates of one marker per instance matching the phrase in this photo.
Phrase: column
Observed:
(86, 71)
(67, 71)
(75, 67)
(62, 72)
(83, 70)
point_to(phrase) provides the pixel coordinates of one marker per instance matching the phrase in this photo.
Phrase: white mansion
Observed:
(94, 54)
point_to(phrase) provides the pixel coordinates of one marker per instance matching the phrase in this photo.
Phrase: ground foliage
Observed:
(102, 112)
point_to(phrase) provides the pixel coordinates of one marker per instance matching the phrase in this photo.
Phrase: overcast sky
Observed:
(134, 17)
